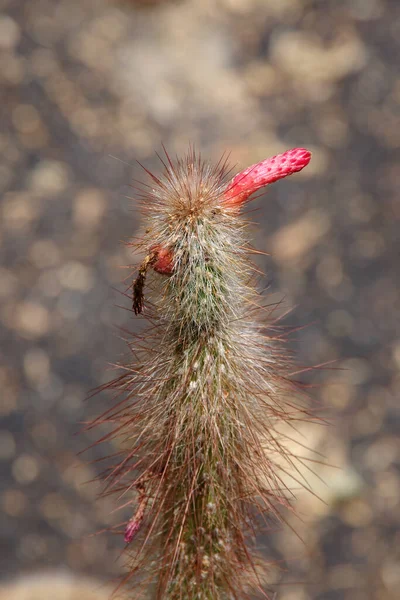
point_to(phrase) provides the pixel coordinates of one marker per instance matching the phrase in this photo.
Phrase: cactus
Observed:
(200, 405)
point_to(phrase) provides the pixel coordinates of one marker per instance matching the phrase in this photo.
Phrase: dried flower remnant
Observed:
(134, 524)
(131, 529)
(200, 406)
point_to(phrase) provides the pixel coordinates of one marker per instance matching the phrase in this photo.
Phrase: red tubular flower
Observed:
(245, 183)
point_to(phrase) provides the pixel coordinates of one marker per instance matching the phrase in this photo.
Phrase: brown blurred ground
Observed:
(88, 87)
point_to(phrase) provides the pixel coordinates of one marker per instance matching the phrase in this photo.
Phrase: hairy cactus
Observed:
(200, 407)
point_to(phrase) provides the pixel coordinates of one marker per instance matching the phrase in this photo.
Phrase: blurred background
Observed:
(89, 87)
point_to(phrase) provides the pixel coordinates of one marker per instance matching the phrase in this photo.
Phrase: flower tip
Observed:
(300, 156)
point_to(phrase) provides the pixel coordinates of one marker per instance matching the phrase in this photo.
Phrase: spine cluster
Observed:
(206, 392)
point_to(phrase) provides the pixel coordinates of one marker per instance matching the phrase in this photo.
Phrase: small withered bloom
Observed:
(135, 522)
(131, 530)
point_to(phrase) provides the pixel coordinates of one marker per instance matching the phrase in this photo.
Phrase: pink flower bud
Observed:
(131, 530)
(245, 183)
